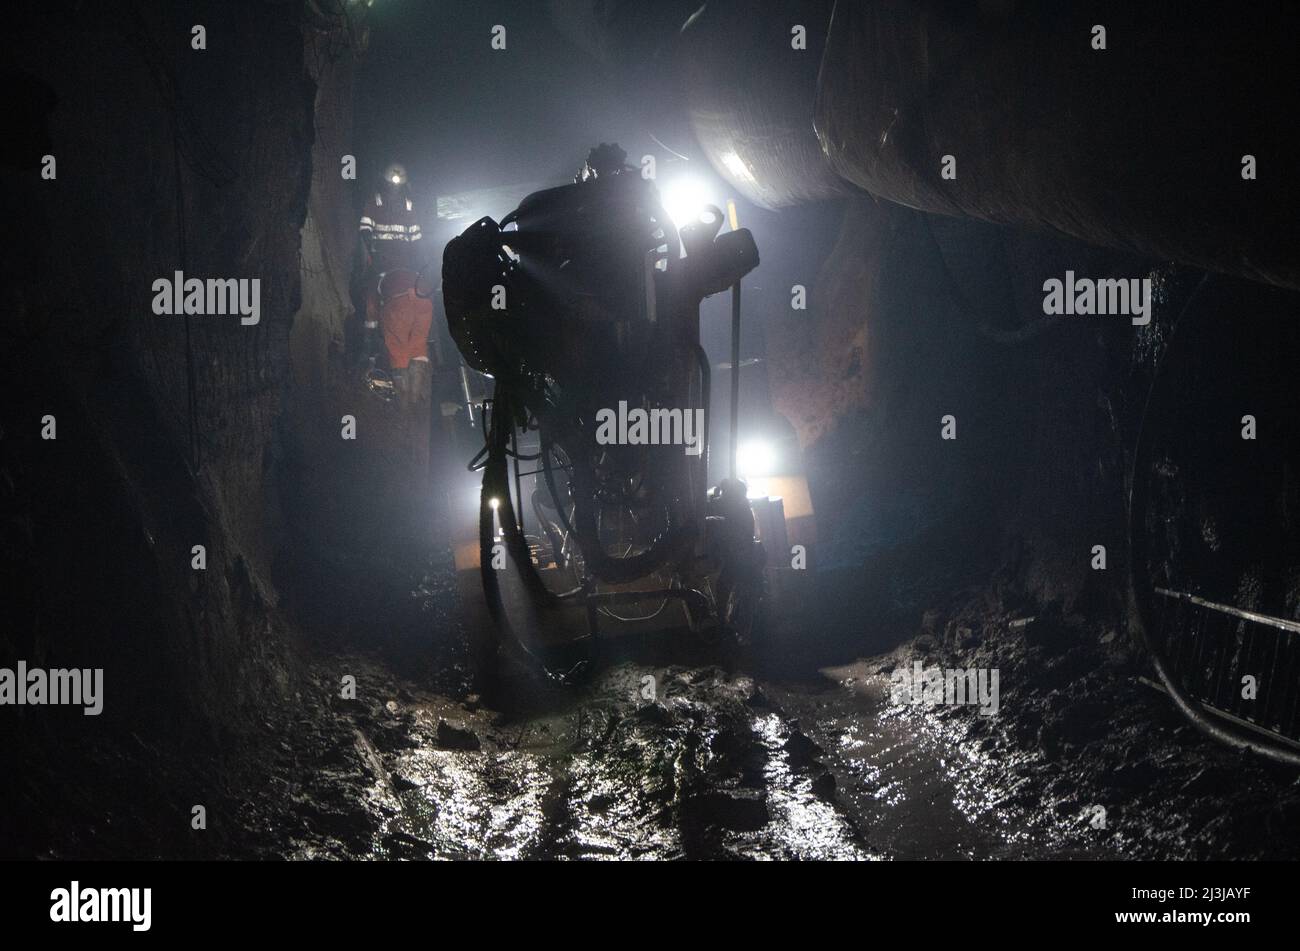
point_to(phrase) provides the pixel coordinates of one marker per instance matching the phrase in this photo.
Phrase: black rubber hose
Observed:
(603, 565)
(497, 476)
(548, 474)
(554, 537)
(496, 484)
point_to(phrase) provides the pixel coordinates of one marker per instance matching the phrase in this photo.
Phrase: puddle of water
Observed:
(920, 783)
(702, 772)
(803, 825)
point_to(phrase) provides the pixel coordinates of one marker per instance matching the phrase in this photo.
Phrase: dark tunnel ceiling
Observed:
(435, 96)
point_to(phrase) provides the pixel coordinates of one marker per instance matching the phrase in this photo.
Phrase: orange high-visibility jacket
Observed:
(404, 318)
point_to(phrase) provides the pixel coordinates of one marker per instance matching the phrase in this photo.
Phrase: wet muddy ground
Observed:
(661, 754)
(656, 760)
(710, 769)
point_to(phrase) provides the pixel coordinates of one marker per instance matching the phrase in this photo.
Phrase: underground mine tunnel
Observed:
(789, 430)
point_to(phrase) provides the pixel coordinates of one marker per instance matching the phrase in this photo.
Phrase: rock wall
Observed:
(169, 158)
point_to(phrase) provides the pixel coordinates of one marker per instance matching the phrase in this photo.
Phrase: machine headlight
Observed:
(755, 458)
(685, 199)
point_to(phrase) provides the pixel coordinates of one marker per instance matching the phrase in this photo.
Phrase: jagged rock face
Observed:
(167, 424)
(329, 235)
(820, 373)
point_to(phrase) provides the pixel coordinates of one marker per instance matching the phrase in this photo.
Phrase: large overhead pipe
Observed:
(1135, 126)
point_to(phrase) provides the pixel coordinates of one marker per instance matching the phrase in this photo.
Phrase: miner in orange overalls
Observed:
(399, 311)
